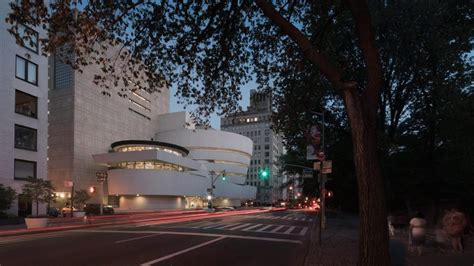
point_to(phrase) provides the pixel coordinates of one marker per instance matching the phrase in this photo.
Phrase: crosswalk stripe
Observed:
(276, 229)
(263, 228)
(303, 231)
(226, 226)
(287, 232)
(211, 226)
(251, 227)
(240, 226)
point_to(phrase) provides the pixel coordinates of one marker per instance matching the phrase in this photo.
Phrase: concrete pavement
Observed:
(272, 238)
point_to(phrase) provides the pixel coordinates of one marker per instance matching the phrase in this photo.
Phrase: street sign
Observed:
(313, 144)
(327, 167)
(317, 166)
(209, 190)
(307, 173)
(68, 183)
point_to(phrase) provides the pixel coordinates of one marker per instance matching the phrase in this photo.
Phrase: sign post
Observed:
(101, 178)
(71, 185)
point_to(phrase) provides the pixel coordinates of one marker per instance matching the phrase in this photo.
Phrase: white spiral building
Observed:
(173, 171)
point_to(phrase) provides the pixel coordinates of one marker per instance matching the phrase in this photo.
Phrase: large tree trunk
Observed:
(373, 231)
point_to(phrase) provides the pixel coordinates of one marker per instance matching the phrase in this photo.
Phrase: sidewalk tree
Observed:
(80, 198)
(207, 50)
(7, 196)
(38, 191)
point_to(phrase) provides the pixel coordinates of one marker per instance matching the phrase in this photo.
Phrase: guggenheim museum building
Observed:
(183, 166)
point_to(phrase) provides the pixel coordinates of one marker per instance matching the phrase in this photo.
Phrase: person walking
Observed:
(417, 232)
(454, 223)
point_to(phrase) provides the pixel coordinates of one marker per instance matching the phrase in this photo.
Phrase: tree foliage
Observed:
(81, 197)
(38, 191)
(7, 196)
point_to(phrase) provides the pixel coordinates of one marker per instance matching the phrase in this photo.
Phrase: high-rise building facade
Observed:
(256, 123)
(83, 121)
(23, 109)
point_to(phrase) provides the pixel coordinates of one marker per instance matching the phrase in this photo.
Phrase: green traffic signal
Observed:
(264, 173)
(223, 178)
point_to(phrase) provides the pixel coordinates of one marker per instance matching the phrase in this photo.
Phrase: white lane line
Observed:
(287, 232)
(240, 226)
(135, 238)
(227, 226)
(263, 228)
(276, 229)
(303, 231)
(193, 234)
(251, 227)
(290, 218)
(211, 226)
(182, 251)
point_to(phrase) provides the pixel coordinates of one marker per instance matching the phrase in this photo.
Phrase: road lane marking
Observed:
(240, 226)
(303, 231)
(251, 227)
(276, 229)
(134, 238)
(183, 251)
(227, 226)
(195, 234)
(287, 232)
(263, 228)
(211, 226)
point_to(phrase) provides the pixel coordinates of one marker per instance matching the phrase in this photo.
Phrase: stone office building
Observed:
(256, 124)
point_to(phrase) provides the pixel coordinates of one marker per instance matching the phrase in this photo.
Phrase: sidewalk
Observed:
(340, 246)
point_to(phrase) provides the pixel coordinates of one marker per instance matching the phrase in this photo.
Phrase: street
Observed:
(271, 238)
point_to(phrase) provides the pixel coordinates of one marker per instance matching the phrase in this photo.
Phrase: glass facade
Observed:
(26, 104)
(24, 169)
(144, 148)
(25, 138)
(150, 165)
(26, 70)
(29, 37)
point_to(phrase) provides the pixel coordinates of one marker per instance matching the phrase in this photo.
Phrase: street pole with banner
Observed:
(71, 185)
(101, 178)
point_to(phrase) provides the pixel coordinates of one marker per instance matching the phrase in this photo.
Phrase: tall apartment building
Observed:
(84, 122)
(23, 110)
(256, 124)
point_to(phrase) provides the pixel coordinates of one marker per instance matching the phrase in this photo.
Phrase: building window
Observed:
(267, 139)
(267, 146)
(24, 169)
(26, 104)
(29, 38)
(267, 161)
(25, 138)
(26, 70)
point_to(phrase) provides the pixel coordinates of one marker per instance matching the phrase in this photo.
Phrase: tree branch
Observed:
(328, 70)
(370, 53)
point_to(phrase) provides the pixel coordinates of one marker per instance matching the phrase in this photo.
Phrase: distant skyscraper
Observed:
(256, 124)
(23, 110)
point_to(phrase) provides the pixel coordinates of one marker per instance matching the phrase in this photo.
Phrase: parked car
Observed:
(66, 211)
(94, 208)
(53, 212)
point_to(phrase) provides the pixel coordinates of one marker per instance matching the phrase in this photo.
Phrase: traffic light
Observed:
(223, 176)
(264, 173)
(92, 189)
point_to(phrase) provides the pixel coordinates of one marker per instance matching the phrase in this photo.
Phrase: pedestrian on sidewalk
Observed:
(454, 223)
(417, 233)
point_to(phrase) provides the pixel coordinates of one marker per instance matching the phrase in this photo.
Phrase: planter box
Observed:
(36, 222)
(79, 214)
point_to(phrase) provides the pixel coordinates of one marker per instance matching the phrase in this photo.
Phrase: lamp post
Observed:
(214, 177)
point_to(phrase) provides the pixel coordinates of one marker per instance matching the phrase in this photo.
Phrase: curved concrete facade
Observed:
(153, 178)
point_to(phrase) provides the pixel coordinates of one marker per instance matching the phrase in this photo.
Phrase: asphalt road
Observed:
(277, 238)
